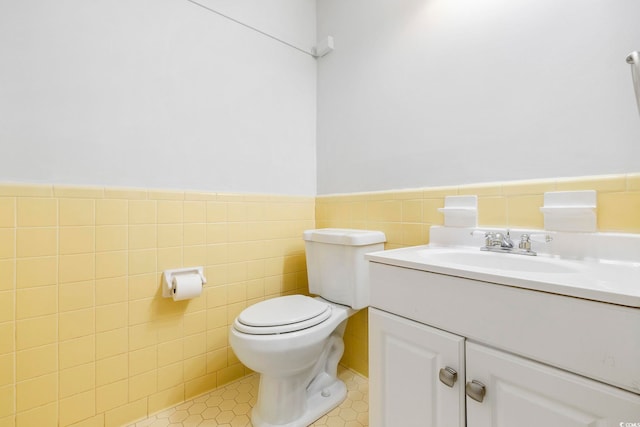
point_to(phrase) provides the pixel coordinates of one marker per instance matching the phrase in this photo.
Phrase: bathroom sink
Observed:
(588, 278)
(495, 261)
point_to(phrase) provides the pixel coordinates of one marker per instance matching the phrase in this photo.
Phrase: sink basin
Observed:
(496, 261)
(611, 282)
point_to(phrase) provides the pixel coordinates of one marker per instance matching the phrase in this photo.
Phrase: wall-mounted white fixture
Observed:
(570, 211)
(634, 60)
(460, 211)
(183, 283)
(323, 47)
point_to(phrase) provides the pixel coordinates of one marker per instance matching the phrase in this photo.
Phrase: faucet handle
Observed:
(494, 238)
(525, 242)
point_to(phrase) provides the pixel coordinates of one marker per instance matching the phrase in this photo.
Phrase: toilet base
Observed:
(318, 404)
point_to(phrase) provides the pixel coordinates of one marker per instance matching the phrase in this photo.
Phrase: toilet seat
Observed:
(282, 315)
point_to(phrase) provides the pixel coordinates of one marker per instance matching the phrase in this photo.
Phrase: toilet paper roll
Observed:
(186, 286)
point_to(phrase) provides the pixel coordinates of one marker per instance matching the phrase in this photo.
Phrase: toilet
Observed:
(295, 342)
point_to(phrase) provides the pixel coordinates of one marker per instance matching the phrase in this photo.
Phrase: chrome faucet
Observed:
(501, 242)
(494, 239)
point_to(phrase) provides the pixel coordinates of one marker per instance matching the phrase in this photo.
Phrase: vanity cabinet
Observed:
(542, 359)
(406, 359)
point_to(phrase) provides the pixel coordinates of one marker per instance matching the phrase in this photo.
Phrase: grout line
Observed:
(15, 311)
(57, 284)
(95, 334)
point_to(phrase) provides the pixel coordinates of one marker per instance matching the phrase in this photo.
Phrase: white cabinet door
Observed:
(523, 393)
(405, 358)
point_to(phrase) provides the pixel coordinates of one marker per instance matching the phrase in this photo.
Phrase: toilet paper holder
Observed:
(168, 275)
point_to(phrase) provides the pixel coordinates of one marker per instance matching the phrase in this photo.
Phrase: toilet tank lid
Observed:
(345, 236)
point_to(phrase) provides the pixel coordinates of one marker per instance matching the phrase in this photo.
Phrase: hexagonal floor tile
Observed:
(231, 406)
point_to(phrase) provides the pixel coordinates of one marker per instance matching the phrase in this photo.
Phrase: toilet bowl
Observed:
(298, 368)
(295, 342)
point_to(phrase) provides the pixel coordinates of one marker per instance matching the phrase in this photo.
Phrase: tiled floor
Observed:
(230, 406)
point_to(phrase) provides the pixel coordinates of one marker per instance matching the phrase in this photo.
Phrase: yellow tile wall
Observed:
(86, 338)
(405, 216)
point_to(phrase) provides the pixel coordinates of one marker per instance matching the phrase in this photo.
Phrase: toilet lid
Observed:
(284, 314)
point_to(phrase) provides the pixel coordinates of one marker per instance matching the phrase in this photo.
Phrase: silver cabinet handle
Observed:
(476, 390)
(448, 376)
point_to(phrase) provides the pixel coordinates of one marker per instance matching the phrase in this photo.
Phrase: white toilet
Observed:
(295, 342)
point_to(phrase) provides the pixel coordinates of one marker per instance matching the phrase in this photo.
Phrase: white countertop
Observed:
(615, 282)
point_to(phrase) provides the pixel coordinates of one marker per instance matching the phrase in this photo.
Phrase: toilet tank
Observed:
(336, 267)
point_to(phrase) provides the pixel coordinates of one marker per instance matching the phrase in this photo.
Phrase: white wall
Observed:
(438, 92)
(290, 20)
(157, 93)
